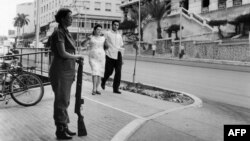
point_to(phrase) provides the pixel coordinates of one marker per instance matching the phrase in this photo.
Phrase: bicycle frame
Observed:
(5, 85)
(19, 80)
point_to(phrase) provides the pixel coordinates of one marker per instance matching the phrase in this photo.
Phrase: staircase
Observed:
(198, 19)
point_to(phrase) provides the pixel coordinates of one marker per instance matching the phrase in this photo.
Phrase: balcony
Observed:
(205, 10)
(237, 2)
(222, 5)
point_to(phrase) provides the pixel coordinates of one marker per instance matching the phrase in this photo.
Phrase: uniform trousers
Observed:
(61, 82)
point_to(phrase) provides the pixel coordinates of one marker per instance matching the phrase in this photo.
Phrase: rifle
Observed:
(79, 101)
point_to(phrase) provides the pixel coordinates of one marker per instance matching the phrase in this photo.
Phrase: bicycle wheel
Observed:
(27, 89)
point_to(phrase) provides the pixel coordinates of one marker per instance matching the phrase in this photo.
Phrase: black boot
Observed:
(70, 132)
(61, 132)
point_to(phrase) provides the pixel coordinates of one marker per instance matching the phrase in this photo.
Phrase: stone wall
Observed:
(208, 50)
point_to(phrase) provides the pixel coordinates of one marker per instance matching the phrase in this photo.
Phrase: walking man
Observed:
(114, 54)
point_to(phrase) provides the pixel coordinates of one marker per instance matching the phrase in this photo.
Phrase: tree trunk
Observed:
(169, 34)
(242, 28)
(159, 30)
(220, 33)
(23, 37)
(141, 34)
(14, 46)
(176, 35)
(18, 33)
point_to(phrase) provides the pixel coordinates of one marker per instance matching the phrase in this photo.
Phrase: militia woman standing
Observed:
(62, 71)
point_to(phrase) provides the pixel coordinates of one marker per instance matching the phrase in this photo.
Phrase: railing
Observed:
(196, 18)
(33, 62)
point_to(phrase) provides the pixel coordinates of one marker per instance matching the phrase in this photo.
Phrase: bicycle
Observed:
(24, 88)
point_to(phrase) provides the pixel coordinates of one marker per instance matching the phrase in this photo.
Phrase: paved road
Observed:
(225, 95)
(223, 86)
(230, 87)
(215, 87)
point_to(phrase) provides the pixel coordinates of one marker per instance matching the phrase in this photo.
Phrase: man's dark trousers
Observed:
(110, 65)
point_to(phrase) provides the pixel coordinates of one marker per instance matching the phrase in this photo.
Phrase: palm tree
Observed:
(143, 16)
(20, 21)
(157, 9)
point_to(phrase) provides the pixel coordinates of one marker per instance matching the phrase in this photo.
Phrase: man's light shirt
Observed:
(115, 43)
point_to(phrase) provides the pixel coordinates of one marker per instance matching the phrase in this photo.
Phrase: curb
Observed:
(133, 126)
(224, 65)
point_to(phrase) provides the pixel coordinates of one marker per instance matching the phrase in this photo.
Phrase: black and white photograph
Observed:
(125, 70)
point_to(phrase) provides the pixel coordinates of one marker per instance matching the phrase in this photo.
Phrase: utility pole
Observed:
(77, 7)
(180, 28)
(37, 27)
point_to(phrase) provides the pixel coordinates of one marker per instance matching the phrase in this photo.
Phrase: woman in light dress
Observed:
(96, 57)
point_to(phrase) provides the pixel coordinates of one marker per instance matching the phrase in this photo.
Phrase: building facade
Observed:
(86, 13)
(195, 17)
(200, 6)
(28, 9)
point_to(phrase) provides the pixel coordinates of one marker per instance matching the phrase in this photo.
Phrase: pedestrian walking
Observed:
(113, 56)
(153, 48)
(62, 71)
(172, 47)
(96, 57)
(181, 51)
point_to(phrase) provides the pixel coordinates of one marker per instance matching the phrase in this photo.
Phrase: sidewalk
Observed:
(105, 115)
(112, 117)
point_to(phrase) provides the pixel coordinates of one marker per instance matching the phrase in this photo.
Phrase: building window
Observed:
(222, 4)
(86, 5)
(108, 7)
(52, 16)
(205, 6)
(97, 6)
(237, 2)
(83, 24)
(205, 3)
(117, 8)
(74, 23)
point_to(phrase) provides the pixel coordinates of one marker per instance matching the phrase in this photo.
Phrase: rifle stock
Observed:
(79, 101)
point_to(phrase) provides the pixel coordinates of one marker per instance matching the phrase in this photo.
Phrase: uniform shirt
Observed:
(62, 35)
(115, 43)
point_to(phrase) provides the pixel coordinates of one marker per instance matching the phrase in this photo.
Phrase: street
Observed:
(229, 87)
(223, 90)
(225, 96)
